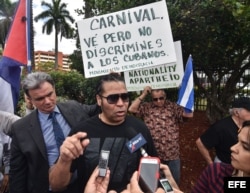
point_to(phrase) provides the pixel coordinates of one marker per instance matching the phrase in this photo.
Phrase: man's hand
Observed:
(146, 90)
(134, 187)
(5, 183)
(97, 184)
(73, 146)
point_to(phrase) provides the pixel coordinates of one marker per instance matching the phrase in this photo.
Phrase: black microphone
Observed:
(136, 141)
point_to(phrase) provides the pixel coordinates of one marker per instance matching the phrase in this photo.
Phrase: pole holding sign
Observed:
(126, 40)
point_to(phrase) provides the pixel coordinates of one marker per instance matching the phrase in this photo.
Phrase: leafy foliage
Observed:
(100, 7)
(69, 84)
(77, 63)
(217, 34)
(89, 90)
(7, 10)
(45, 66)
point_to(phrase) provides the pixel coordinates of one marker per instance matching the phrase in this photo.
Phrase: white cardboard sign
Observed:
(126, 40)
(161, 76)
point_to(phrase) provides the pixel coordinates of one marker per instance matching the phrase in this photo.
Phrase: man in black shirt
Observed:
(223, 134)
(107, 131)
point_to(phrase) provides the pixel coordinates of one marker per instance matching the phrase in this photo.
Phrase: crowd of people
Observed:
(56, 146)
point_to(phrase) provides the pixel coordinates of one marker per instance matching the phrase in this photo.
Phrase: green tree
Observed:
(76, 59)
(7, 10)
(45, 66)
(64, 82)
(217, 34)
(56, 17)
(100, 7)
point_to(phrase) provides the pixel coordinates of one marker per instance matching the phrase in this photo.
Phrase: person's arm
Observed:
(188, 115)
(204, 151)
(18, 169)
(6, 154)
(169, 176)
(72, 148)
(6, 121)
(60, 175)
(97, 184)
(133, 108)
(91, 110)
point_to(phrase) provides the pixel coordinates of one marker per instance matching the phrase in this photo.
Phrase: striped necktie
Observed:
(59, 136)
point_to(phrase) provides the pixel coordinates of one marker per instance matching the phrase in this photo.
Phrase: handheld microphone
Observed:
(136, 141)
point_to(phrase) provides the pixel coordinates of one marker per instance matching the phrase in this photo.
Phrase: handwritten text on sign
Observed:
(161, 76)
(126, 40)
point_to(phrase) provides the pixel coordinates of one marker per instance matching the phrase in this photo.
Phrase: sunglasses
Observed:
(156, 99)
(113, 98)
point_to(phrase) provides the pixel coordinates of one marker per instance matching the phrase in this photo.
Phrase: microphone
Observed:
(143, 152)
(136, 141)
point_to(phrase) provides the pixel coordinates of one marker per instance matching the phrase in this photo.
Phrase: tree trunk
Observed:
(56, 47)
(215, 111)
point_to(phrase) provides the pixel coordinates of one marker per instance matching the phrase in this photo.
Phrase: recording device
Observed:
(136, 141)
(166, 185)
(149, 174)
(103, 162)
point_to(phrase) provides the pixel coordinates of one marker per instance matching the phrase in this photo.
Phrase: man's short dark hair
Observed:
(112, 77)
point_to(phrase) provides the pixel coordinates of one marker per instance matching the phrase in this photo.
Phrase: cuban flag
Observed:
(186, 91)
(15, 55)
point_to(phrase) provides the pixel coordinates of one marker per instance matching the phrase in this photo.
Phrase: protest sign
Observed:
(126, 40)
(161, 76)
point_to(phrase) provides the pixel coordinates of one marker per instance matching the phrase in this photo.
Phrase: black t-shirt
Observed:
(122, 163)
(221, 136)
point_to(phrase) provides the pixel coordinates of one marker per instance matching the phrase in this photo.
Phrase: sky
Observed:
(44, 42)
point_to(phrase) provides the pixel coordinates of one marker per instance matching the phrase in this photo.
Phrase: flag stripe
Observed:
(28, 34)
(6, 102)
(190, 103)
(186, 91)
(16, 43)
(14, 56)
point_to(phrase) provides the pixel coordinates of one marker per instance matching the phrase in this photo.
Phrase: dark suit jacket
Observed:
(29, 163)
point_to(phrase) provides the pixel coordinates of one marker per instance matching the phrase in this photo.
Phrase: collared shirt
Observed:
(163, 123)
(48, 133)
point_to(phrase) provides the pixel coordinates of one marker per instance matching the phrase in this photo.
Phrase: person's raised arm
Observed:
(72, 148)
(187, 115)
(133, 108)
(204, 151)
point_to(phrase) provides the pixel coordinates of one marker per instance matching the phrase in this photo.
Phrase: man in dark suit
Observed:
(34, 145)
